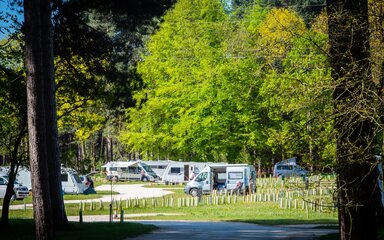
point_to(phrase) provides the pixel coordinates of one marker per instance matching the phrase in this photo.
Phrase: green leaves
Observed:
(222, 87)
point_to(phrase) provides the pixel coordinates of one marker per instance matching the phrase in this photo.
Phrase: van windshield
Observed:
(7, 178)
(76, 177)
(147, 168)
(201, 177)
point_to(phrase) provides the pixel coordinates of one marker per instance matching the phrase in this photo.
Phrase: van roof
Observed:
(289, 161)
(120, 164)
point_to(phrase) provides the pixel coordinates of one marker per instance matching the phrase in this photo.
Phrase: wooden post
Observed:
(80, 216)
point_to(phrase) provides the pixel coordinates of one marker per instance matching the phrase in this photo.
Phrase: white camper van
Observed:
(182, 172)
(24, 177)
(135, 170)
(20, 191)
(223, 176)
(71, 182)
(158, 166)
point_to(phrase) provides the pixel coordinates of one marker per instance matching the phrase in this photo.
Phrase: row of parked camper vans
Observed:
(201, 177)
(167, 171)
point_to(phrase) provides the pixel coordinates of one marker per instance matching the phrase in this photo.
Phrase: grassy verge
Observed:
(24, 229)
(99, 194)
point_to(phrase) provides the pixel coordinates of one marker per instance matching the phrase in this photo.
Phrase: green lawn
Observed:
(99, 194)
(262, 212)
(24, 230)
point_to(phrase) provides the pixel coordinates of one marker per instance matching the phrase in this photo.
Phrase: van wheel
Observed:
(193, 192)
(145, 179)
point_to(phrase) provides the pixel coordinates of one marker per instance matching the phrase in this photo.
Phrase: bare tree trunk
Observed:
(42, 123)
(353, 103)
(52, 140)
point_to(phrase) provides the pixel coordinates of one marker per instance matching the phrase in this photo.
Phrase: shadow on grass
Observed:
(24, 229)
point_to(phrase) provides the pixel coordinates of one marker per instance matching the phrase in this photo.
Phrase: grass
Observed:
(24, 229)
(99, 194)
(268, 213)
(259, 212)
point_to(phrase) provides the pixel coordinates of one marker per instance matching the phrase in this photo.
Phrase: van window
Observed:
(284, 167)
(76, 177)
(235, 175)
(147, 168)
(202, 177)
(132, 170)
(64, 177)
(124, 169)
(113, 169)
(176, 170)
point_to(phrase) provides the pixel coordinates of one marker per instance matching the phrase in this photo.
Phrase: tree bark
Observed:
(36, 15)
(52, 140)
(353, 98)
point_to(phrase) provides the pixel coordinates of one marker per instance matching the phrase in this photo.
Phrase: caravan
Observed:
(135, 170)
(230, 177)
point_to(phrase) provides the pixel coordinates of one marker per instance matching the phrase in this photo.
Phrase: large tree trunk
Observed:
(36, 14)
(353, 99)
(52, 139)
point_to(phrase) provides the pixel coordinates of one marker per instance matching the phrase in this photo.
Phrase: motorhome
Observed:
(71, 182)
(223, 177)
(20, 191)
(158, 166)
(288, 168)
(182, 172)
(23, 176)
(129, 170)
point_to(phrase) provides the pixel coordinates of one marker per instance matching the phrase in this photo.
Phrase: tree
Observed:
(13, 116)
(42, 126)
(354, 102)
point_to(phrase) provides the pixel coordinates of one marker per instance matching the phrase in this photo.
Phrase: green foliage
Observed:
(232, 88)
(12, 96)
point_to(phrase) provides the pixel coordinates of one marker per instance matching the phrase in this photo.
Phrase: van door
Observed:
(186, 172)
(204, 182)
(235, 175)
(123, 174)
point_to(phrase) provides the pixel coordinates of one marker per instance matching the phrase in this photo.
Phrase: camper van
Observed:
(71, 182)
(180, 172)
(20, 191)
(135, 170)
(158, 166)
(241, 177)
(24, 177)
(288, 168)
